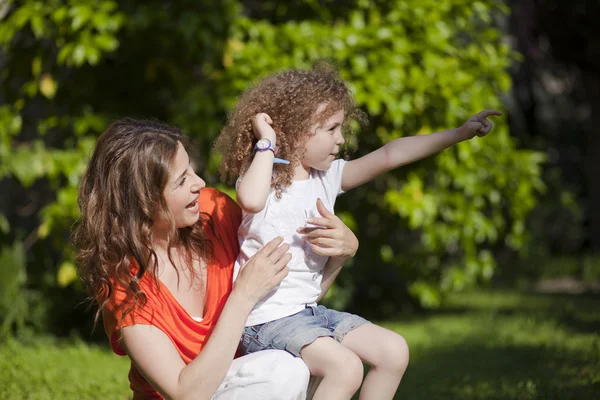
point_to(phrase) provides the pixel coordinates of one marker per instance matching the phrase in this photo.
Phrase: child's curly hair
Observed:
(291, 98)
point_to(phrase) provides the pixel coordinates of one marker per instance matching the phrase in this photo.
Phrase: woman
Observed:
(156, 251)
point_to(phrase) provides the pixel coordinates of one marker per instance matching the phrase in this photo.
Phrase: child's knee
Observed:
(348, 370)
(394, 355)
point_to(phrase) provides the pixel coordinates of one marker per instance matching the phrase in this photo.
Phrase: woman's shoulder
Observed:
(213, 201)
(225, 214)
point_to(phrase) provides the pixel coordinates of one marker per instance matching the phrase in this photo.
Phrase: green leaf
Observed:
(38, 26)
(81, 15)
(67, 274)
(79, 53)
(4, 225)
(48, 86)
(106, 42)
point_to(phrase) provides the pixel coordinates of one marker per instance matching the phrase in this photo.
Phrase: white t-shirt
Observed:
(282, 217)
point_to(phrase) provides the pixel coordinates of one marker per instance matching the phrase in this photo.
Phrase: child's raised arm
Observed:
(253, 188)
(409, 149)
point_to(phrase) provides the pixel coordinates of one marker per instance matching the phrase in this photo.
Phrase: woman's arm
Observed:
(331, 238)
(253, 189)
(157, 359)
(409, 149)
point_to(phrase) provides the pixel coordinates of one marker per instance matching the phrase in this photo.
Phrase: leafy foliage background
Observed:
(69, 67)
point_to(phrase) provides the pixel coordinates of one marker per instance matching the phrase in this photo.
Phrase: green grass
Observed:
(492, 346)
(504, 345)
(51, 369)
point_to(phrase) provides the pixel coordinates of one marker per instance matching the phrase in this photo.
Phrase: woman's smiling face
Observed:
(182, 190)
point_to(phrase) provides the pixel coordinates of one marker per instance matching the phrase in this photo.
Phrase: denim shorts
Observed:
(294, 332)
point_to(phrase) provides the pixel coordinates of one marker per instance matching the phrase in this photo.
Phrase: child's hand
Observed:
(477, 125)
(261, 126)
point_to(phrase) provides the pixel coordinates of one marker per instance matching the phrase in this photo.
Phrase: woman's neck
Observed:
(162, 246)
(160, 241)
(169, 258)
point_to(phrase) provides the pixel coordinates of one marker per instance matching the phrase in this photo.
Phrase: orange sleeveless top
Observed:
(162, 309)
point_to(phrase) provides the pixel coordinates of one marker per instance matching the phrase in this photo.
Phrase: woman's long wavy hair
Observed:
(292, 99)
(120, 195)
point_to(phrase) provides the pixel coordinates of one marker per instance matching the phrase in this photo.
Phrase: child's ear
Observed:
(312, 132)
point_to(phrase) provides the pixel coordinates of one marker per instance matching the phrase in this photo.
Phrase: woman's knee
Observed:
(295, 375)
(289, 377)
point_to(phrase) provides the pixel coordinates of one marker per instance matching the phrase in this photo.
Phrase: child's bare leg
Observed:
(387, 354)
(341, 369)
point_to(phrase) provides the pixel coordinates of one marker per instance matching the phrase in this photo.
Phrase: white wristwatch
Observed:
(265, 144)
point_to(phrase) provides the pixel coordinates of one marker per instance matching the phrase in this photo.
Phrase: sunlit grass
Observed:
(505, 346)
(51, 369)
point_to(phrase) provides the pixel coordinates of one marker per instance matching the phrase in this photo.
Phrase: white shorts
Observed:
(265, 375)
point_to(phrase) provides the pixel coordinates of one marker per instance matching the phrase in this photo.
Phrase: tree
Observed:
(559, 41)
(554, 105)
(69, 67)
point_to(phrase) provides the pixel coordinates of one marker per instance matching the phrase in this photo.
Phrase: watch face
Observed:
(263, 144)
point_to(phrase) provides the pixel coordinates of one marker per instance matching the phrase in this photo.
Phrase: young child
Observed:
(282, 141)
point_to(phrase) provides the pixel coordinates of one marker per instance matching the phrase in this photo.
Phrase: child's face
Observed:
(324, 143)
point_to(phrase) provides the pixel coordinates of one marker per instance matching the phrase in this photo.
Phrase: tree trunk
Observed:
(592, 84)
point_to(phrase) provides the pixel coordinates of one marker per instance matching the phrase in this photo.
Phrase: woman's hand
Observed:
(263, 271)
(331, 237)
